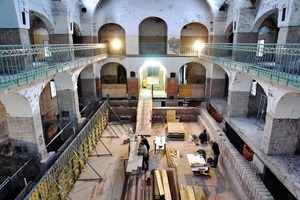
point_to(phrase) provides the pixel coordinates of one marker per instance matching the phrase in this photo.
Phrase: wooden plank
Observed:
(190, 192)
(156, 192)
(200, 193)
(171, 115)
(148, 186)
(159, 183)
(166, 185)
(131, 188)
(139, 188)
(135, 161)
(185, 193)
(144, 117)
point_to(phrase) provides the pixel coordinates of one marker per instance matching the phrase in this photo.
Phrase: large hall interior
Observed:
(81, 81)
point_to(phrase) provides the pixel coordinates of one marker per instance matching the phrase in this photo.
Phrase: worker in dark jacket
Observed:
(216, 150)
(142, 150)
(203, 137)
(145, 141)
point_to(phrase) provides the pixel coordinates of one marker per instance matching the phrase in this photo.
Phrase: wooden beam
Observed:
(159, 183)
(166, 185)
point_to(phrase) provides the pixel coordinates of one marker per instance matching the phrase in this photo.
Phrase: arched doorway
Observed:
(114, 80)
(114, 36)
(192, 80)
(152, 77)
(153, 36)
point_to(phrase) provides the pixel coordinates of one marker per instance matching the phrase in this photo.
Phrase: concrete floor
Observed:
(111, 168)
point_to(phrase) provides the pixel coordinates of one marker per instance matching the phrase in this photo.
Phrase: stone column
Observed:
(208, 85)
(27, 135)
(133, 87)
(68, 108)
(281, 131)
(288, 34)
(88, 90)
(87, 85)
(238, 94)
(245, 38)
(67, 99)
(172, 87)
(237, 104)
(62, 39)
(280, 135)
(217, 87)
(14, 36)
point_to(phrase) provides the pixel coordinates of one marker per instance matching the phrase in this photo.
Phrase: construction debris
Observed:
(170, 154)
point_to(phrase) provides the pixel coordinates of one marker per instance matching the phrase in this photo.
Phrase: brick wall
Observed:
(172, 87)
(133, 87)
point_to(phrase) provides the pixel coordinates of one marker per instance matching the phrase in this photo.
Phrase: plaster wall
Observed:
(67, 95)
(44, 11)
(237, 104)
(267, 6)
(9, 14)
(14, 36)
(129, 19)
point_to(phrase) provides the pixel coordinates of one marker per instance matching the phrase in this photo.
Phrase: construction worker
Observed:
(144, 152)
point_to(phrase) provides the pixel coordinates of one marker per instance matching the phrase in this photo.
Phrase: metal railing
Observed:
(276, 62)
(25, 63)
(60, 178)
(21, 64)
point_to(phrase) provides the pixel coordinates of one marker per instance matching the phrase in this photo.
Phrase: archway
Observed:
(190, 35)
(114, 36)
(113, 80)
(152, 78)
(257, 108)
(192, 80)
(153, 36)
(50, 116)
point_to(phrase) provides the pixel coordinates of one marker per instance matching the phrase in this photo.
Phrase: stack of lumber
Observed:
(171, 116)
(192, 193)
(165, 185)
(170, 159)
(176, 131)
(138, 187)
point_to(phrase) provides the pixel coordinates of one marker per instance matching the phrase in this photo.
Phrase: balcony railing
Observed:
(276, 62)
(21, 64)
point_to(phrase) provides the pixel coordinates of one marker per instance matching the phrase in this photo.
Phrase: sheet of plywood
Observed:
(175, 127)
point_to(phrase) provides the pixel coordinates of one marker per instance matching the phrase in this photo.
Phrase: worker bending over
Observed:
(142, 150)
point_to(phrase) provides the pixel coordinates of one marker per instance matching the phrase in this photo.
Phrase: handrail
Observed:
(60, 178)
(25, 63)
(20, 64)
(276, 62)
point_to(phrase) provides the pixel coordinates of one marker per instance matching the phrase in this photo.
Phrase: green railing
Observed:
(23, 64)
(20, 64)
(275, 62)
(59, 179)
